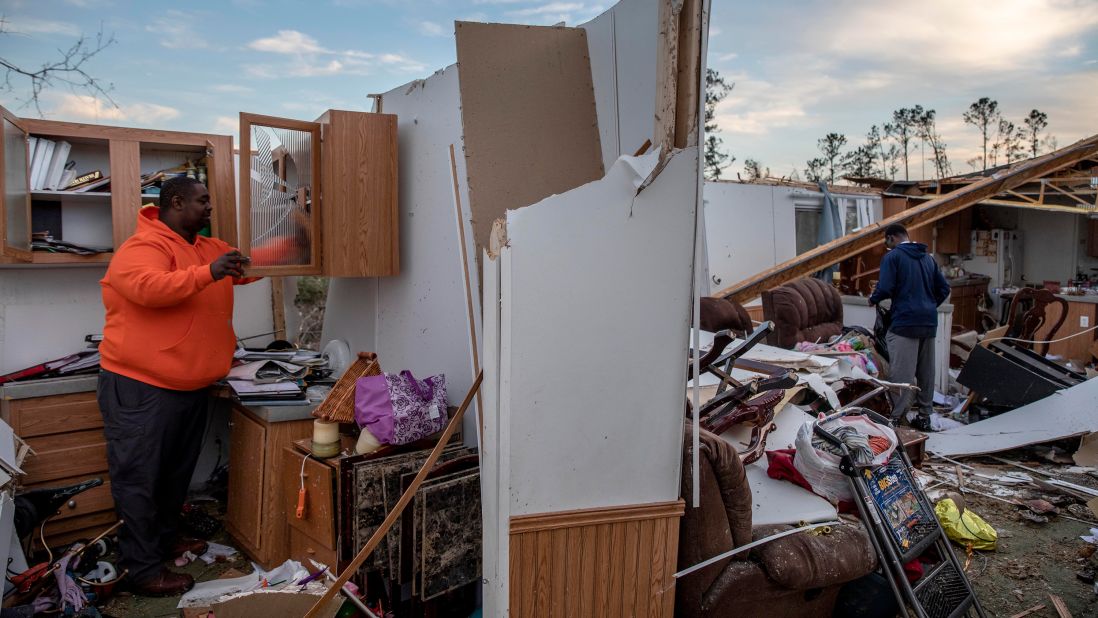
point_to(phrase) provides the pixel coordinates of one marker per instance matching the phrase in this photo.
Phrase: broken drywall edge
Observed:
(1067, 413)
(498, 239)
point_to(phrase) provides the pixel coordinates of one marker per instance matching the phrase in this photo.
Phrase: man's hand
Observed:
(229, 265)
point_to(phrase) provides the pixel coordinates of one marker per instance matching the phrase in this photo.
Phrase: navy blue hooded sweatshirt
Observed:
(912, 279)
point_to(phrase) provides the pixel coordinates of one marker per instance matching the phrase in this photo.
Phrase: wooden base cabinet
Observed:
(257, 515)
(66, 433)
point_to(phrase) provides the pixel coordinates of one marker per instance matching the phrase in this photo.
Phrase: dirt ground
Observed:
(1033, 560)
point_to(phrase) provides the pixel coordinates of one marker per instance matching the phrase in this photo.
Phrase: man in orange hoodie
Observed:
(168, 335)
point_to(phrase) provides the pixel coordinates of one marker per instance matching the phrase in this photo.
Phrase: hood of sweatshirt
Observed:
(149, 223)
(914, 250)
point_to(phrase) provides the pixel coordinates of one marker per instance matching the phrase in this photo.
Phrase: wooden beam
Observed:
(838, 250)
(667, 66)
(689, 80)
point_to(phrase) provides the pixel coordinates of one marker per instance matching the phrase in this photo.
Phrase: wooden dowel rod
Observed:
(401, 504)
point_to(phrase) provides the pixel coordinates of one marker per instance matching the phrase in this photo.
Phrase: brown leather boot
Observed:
(165, 584)
(187, 544)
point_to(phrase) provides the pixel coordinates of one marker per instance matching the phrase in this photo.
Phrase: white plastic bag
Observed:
(821, 468)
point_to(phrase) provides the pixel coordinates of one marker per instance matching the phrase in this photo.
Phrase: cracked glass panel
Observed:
(281, 196)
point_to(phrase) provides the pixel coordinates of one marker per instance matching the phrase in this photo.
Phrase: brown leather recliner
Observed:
(806, 309)
(798, 575)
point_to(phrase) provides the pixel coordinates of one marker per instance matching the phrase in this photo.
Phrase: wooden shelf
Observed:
(86, 197)
(45, 257)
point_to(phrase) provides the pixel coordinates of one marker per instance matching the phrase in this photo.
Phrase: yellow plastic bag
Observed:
(965, 529)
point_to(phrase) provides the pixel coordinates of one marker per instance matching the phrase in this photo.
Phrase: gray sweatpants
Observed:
(911, 361)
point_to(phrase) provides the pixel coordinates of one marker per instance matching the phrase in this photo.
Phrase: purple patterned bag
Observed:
(399, 409)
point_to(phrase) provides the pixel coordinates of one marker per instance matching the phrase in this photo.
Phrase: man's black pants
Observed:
(153, 436)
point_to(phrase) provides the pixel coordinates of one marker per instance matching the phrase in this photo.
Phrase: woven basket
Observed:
(339, 405)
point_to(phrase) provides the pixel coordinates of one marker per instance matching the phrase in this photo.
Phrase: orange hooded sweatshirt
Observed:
(168, 323)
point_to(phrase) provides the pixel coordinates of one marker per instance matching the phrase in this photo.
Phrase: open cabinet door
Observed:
(15, 181)
(280, 195)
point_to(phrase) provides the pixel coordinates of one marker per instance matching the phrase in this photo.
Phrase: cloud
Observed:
(175, 30)
(31, 25)
(227, 124)
(954, 37)
(554, 12)
(430, 28)
(307, 58)
(84, 107)
(232, 88)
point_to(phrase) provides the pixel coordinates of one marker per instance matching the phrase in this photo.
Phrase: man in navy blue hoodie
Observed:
(912, 280)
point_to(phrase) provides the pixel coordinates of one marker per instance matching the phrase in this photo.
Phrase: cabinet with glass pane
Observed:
(320, 197)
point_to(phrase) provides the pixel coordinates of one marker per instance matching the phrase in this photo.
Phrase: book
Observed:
(92, 185)
(41, 161)
(67, 176)
(57, 165)
(83, 179)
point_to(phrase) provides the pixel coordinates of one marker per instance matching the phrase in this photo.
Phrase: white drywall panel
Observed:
(579, 296)
(636, 36)
(740, 231)
(46, 312)
(1065, 413)
(604, 73)
(350, 315)
(1044, 230)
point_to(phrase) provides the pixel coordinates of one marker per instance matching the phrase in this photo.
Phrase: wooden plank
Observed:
(667, 62)
(688, 75)
(670, 560)
(588, 576)
(63, 130)
(646, 548)
(602, 570)
(528, 113)
(274, 533)
(658, 560)
(360, 218)
(40, 416)
(221, 181)
(530, 573)
(278, 309)
(629, 570)
(573, 596)
(125, 188)
(559, 583)
(617, 568)
(543, 585)
(834, 252)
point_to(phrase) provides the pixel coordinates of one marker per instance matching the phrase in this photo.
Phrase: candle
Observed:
(325, 432)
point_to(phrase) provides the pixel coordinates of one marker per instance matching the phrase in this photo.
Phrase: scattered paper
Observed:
(215, 551)
(208, 593)
(939, 422)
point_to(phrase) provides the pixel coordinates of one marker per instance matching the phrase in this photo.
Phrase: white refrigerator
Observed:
(997, 254)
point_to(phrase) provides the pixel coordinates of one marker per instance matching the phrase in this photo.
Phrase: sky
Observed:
(801, 69)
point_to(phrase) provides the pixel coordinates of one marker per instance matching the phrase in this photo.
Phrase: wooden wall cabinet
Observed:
(101, 218)
(320, 197)
(954, 232)
(965, 299)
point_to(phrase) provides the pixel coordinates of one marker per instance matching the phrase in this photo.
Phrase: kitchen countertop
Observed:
(862, 301)
(281, 414)
(49, 386)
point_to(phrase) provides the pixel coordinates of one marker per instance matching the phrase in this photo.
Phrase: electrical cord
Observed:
(1019, 340)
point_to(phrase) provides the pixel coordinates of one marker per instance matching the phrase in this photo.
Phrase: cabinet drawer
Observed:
(60, 532)
(75, 454)
(42, 416)
(319, 520)
(91, 501)
(303, 548)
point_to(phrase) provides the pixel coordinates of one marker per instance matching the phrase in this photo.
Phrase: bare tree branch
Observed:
(67, 70)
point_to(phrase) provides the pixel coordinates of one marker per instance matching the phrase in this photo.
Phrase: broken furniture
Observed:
(798, 575)
(1008, 375)
(255, 514)
(1028, 315)
(59, 418)
(803, 310)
